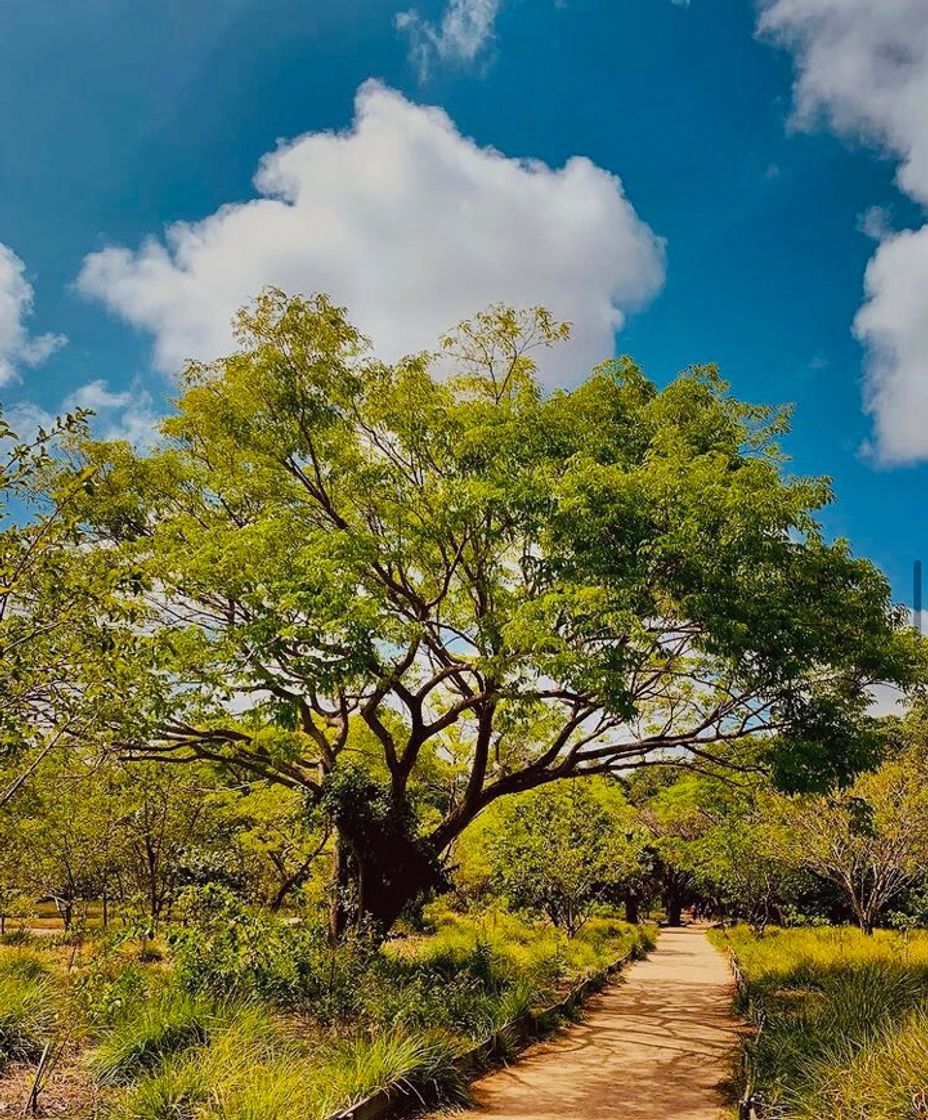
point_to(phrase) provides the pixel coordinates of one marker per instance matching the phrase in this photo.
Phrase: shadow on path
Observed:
(658, 1044)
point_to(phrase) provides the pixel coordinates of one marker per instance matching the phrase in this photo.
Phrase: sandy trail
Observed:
(657, 1044)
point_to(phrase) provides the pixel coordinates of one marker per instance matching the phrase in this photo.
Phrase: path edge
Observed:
(749, 1107)
(397, 1098)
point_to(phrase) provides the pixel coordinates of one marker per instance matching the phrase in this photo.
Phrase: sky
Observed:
(727, 181)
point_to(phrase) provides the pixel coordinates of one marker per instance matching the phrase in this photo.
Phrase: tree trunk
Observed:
(340, 904)
(631, 906)
(376, 876)
(673, 902)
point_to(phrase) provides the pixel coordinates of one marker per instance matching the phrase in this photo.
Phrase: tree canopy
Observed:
(365, 581)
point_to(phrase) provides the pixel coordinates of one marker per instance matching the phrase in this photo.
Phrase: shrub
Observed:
(232, 950)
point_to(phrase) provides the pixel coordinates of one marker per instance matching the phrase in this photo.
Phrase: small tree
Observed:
(560, 851)
(281, 841)
(69, 825)
(14, 864)
(675, 820)
(870, 841)
(722, 840)
(744, 861)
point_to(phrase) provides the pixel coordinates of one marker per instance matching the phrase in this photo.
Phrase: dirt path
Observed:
(657, 1045)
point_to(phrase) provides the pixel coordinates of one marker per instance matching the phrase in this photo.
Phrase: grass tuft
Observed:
(149, 1030)
(27, 1007)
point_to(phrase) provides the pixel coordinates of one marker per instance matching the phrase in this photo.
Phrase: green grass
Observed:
(254, 1069)
(177, 1054)
(149, 1030)
(27, 1004)
(844, 1021)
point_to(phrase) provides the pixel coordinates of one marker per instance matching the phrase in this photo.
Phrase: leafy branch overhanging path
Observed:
(657, 1045)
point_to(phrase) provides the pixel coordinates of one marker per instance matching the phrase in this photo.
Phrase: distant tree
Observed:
(280, 840)
(34, 618)
(68, 827)
(676, 821)
(743, 859)
(14, 868)
(870, 841)
(561, 850)
(165, 820)
(554, 585)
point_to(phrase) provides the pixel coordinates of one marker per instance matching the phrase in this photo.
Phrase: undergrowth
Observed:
(263, 1021)
(27, 1004)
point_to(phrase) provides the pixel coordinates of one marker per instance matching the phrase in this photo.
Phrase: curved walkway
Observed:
(657, 1044)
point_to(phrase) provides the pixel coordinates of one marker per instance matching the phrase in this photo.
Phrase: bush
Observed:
(231, 950)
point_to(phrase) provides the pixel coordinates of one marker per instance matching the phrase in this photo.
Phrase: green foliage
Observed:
(845, 1029)
(463, 977)
(558, 851)
(869, 840)
(149, 1029)
(51, 609)
(414, 1005)
(229, 949)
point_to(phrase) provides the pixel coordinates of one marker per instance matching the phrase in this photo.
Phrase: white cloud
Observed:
(893, 323)
(128, 415)
(863, 66)
(465, 32)
(407, 223)
(17, 346)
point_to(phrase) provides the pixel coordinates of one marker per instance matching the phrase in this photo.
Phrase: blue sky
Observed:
(737, 236)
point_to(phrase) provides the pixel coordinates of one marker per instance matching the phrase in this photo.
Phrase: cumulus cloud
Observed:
(863, 67)
(407, 223)
(128, 415)
(17, 347)
(463, 35)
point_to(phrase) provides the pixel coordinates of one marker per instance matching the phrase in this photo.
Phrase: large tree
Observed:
(520, 586)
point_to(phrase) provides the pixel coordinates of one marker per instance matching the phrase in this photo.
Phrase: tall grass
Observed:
(190, 1050)
(844, 1021)
(253, 1069)
(27, 1005)
(148, 1031)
